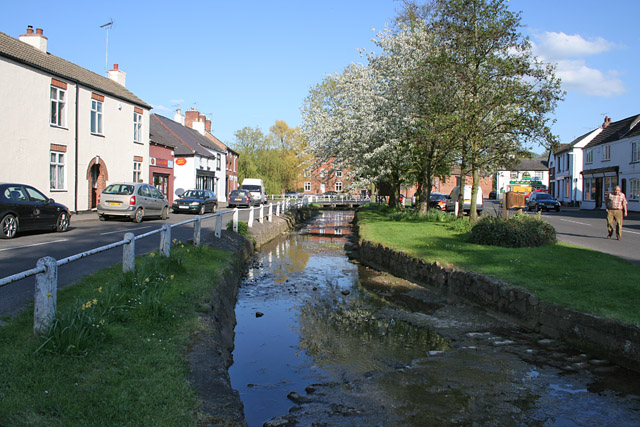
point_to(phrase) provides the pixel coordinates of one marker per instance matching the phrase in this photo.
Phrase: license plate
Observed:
(114, 203)
(238, 200)
(183, 207)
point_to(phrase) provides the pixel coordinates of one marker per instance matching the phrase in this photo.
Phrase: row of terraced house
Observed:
(584, 171)
(70, 132)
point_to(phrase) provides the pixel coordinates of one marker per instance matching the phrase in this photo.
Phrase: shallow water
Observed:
(323, 341)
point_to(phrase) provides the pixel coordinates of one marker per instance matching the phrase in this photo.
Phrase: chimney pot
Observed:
(115, 66)
(29, 29)
(39, 31)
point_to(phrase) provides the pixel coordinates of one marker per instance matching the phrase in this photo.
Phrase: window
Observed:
(58, 102)
(634, 189)
(307, 173)
(567, 187)
(566, 164)
(514, 175)
(588, 158)
(137, 126)
(218, 162)
(322, 173)
(635, 152)
(538, 175)
(56, 170)
(606, 152)
(96, 117)
(339, 173)
(338, 186)
(589, 191)
(307, 186)
(137, 171)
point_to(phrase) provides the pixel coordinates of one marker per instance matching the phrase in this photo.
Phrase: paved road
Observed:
(86, 232)
(588, 229)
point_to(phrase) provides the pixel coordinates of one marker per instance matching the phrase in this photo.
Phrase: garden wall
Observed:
(606, 338)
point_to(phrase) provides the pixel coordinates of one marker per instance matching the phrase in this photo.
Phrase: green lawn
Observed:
(132, 368)
(582, 279)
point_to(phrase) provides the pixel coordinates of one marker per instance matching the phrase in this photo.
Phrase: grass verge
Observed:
(116, 355)
(582, 279)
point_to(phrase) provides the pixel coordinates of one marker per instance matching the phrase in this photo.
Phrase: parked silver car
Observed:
(133, 200)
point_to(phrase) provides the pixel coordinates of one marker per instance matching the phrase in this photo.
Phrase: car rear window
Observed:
(123, 189)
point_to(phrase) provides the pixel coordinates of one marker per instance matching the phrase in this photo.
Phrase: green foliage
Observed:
(243, 228)
(515, 232)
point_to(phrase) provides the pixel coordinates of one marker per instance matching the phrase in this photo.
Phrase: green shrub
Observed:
(243, 228)
(516, 232)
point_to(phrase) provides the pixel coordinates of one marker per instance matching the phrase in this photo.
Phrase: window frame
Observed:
(338, 186)
(588, 156)
(634, 189)
(97, 111)
(635, 152)
(307, 186)
(137, 127)
(606, 153)
(60, 107)
(137, 170)
(57, 168)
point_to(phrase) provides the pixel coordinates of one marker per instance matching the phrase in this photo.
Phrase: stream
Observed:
(321, 340)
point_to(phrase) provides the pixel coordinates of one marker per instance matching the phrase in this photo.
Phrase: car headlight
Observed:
(194, 204)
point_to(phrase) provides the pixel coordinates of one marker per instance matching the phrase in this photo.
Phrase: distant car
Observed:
(438, 201)
(197, 201)
(291, 195)
(492, 194)
(132, 200)
(542, 201)
(238, 198)
(22, 207)
(330, 193)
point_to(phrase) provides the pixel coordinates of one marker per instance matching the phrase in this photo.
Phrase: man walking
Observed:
(616, 206)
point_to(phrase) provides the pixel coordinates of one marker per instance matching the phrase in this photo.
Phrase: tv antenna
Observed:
(107, 27)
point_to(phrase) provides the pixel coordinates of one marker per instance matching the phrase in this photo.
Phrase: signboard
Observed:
(181, 161)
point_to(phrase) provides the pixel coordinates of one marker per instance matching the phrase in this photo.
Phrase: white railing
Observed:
(46, 270)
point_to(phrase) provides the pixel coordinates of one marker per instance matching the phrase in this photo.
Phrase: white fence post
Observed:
(129, 253)
(219, 226)
(46, 295)
(270, 212)
(235, 219)
(278, 209)
(261, 220)
(197, 230)
(165, 240)
(250, 222)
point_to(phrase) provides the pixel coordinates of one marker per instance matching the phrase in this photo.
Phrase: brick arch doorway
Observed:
(97, 177)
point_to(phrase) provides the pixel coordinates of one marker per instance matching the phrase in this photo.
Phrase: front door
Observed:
(95, 173)
(598, 193)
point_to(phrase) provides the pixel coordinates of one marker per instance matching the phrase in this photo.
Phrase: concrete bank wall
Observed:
(606, 338)
(211, 352)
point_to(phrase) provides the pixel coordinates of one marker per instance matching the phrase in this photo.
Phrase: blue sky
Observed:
(253, 62)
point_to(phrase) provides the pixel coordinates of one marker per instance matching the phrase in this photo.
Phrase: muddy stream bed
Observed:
(321, 341)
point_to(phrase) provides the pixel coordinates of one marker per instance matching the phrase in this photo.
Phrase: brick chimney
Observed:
(607, 122)
(117, 75)
(207, 125)
(37, 39)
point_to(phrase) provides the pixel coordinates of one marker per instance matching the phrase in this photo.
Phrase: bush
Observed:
(243, 228)
(516, 232)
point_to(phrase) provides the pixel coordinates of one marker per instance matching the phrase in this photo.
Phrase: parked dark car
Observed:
(238, 198)
(196, 201)
(492, 194)
(291, 195)
(22, 208)
(438, 201)
(542, 202)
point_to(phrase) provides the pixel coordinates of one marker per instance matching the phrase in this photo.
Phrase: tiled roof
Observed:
(616, 131)
(28, 55)
(187, 141)
(539, 164)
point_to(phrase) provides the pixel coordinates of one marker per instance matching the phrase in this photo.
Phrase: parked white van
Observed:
(453, 198)
(255, 187)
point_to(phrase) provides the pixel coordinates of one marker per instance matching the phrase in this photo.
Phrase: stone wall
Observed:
(606, 338)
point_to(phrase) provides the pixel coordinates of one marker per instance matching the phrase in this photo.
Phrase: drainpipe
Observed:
(75, 196)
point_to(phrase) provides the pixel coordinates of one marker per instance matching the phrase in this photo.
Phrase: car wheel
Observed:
(62, 224)
(9, 226)
(137, 217)
(165, 212)
(557, 208)
(203, 209)
(175, 211)
(215, 208)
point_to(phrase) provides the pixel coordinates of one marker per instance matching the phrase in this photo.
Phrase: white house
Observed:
(66, 130)
(613, 158)
(524, 175)
(565, 167)
(197, 164)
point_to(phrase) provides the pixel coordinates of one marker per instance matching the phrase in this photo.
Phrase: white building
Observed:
(524, 174)
(613, 158)
(198, 163)
(66, 130)
(565, 170)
